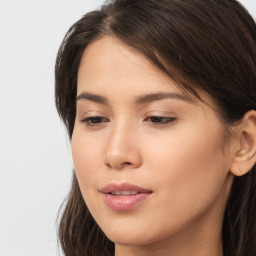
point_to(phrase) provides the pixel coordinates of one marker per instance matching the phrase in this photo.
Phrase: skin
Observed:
(183, 162)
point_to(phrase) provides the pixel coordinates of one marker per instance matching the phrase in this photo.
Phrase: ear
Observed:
(245, 153)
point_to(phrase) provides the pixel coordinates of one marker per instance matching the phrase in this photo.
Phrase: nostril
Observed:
(126, 163)
(118, 166)
(108, 165)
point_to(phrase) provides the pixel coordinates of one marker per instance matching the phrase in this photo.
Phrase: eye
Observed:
(160, 120)
(94, 120)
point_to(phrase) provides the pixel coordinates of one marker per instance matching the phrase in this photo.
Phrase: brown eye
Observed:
(160, 120)
(94, 120)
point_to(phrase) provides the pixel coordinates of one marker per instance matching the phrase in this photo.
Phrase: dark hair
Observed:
(202, 45)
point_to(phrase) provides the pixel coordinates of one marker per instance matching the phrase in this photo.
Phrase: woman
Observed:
(159, 99)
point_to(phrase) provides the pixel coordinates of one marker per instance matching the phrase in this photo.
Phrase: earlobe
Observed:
(245, 156)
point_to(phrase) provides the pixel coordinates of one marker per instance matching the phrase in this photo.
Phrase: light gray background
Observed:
(35, 158)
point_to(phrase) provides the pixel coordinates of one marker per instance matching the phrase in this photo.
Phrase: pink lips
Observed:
(124, 196)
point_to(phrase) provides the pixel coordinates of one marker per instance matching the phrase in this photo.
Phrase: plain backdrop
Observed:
(35, 157)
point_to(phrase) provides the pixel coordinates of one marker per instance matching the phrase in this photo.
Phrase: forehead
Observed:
(108, 63)
(111, 68)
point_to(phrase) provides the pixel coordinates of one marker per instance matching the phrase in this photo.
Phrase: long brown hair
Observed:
(207, 45)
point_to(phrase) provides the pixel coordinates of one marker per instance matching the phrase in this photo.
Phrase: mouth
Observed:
(123, 193)
(123, 189)
(124, 196)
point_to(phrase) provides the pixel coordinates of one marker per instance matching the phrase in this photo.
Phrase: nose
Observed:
(122, 149)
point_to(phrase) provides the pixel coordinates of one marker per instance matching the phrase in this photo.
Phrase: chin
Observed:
(132, 236)
(131, 240)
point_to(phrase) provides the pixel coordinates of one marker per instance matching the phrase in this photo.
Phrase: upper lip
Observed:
(112, 187)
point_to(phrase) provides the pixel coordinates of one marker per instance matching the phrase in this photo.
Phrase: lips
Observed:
(113, 187)
(124, 196)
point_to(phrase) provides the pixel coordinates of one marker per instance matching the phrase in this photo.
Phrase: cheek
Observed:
(185, 149)
(189, 170)
(86, 159)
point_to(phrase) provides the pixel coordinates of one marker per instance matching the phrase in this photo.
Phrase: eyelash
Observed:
(160, 120)
(154, 120)
(90, 121)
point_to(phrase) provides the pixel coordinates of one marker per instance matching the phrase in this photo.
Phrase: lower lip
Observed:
(124, 203)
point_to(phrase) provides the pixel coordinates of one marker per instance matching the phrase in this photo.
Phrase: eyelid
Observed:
(88, 116)
(162, 118)
(88, 121)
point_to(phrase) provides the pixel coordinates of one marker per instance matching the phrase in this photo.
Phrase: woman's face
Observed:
(150, 161)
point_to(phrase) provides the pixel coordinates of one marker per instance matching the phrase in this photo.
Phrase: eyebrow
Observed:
(161, 96)
(92, 97)
(143, 99)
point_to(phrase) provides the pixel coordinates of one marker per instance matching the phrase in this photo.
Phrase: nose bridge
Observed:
(121, 148)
